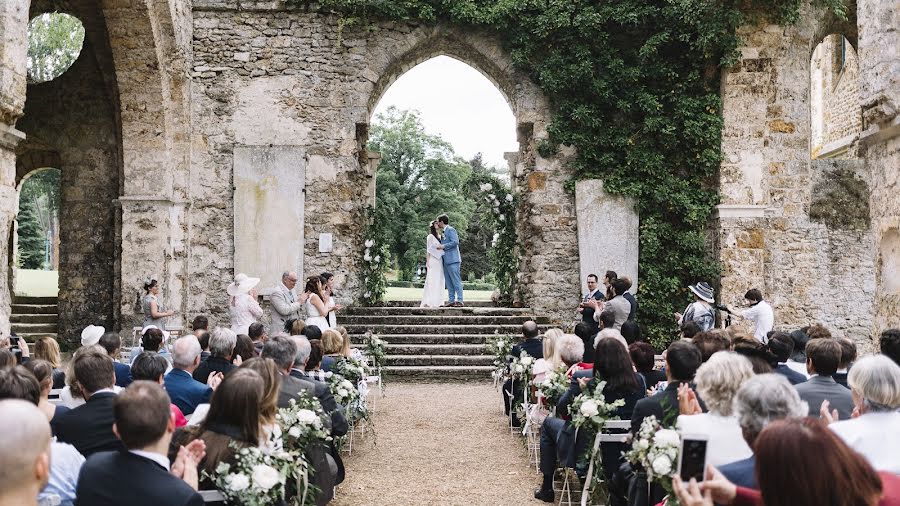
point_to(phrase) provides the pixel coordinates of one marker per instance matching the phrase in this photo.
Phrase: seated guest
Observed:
(644, 358)
(822, 359)
(150, 366)
(46, 348)
(613, 366)
(711, 341)
(112, 343)
(268, 405)
(717, 382)
(781, 346)
(244, 348)
(89, 426)
(221, 351)
(186, 392)
(889, 343)
(333, 346)
(257, 334)
(571, 352)
(295, 327)
(848, 356)
(199, 326)
(586, 333)
(24, 453)
(203, 339)
(71, 395)
(43, 371)
(798, 358)
(65, 461)
(613, 333)
(304, 350)
(141, 474)
(346, 349)
(760, 401)
(631, 331)
(689, 329)
(682, 361)
(789, 475)
(311, 332)
(550, 360)
(875, 433)
(817, 331)
(7, 359)
(312, 368)
(762, 360)
(530, 343)
(152, 339)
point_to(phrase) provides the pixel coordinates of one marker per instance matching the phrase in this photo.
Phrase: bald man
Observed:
(24, 452)
(285, 305)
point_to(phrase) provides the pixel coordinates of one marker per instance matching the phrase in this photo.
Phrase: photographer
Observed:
(17, 346)
(759, 312)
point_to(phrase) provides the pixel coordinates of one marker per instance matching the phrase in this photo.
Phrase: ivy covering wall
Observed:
(634, 86)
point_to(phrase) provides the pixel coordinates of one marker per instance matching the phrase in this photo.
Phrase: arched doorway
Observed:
(36, 242)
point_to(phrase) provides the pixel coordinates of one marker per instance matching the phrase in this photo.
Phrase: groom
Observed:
(451, 259)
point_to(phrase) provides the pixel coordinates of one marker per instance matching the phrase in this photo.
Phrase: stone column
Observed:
(13, 49)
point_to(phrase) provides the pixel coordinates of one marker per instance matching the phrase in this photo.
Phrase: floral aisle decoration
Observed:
(500, 346)
(497, 203)
(353, 370)
(520, 367)
(590, 412)
(655, 450)
(375, 258)
(303, 423)
(376, 354)
(347, 394)
(553, 386)
(256, 478)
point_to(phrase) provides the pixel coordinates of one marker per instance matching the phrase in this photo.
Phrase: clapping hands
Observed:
(214, 379)
(185, 465)
(687, 401)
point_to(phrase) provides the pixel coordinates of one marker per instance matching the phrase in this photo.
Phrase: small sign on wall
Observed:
(324, 243)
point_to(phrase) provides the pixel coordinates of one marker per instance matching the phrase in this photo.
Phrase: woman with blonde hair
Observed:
(550, 360)
(333, 347)
(46, 348)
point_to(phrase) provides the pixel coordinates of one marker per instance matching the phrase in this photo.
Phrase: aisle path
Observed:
(441, 444)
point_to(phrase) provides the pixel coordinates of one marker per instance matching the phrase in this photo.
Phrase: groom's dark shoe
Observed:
(458, 304)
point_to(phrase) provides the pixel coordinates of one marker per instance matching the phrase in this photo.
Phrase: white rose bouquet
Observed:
(499, 346)
(520, 368)
(303, 422)
(347, 394)
(256, 478)
(553, 386)
(589, 410)
(655, 449)
(376, 351)
(351, 369)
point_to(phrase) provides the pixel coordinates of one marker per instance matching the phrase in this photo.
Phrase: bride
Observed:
(433, 294)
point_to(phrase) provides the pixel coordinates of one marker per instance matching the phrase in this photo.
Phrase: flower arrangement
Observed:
(376, 350)
(498, 205)
(256, 478)
(553, 386)
(351, 369)
(302, 423)
(655, 449)
(347, 394)
(520, 368)
(375, 258)
(500, 347)
(590, 409)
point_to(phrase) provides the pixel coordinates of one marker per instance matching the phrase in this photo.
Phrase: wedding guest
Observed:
(626, 283)
(316, 312)
(296, 327)
(221, 349)
(682, 361)
(875, 385)
(718, 380)
(152, 339)
(26, 454)
(608, 278)
(43, 371)
(530, 343)
(333, 346)
(154, 310)
(268, 405)
(285, 305)
(112, 343)
(781, 345)
(243, 306)
(244, 348)
(644, 358)
(587, 311)
(7, 359)
(200, 325)
(89, 426)
(72, 395)
(257, 334)
(710, 342)
(183, 389)
(311, 332)
(312, 369)
(816, 331)
(142, 475)
(203, 339)
(46, 348)
(700, 311)
(823, 357)
(586, 333)
(610, 333)
(689, 330)
(550, 361)
(346, 350)
(760, 401)
(618, 305)
(848, 356)
(889, 343)
(762, 360)
(150, 366)
(304, 349)
(797, 362)
(631, 331)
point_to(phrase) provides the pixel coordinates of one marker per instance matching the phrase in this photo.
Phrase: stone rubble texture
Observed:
(145, 124)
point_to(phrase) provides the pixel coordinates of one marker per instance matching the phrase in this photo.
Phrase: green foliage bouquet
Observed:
(302, 423)
(553, 386)
(520, 368)
(376, 350)
(256, 478)
(591, 411)
(352, 370)
(499, 346)
(347, 394)
(655, 450)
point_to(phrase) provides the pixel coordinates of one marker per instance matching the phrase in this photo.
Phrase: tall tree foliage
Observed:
(38, 216)
(31, 242)
(54, 43)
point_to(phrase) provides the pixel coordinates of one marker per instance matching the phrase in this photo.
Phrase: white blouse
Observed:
(244, 310)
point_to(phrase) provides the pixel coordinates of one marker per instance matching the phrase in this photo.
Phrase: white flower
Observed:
(485, 187)
(502, 218)
(642, 444)
(509, 197)
(519, 368)
(367, 294)
(377, 258)
(589, 408)
(662, 466)
(370, 243)
(342, 393)
(306, 416)
(667, 437)
(346, 384)
(237, 482)
(294, 432)
(329, 373)
(265, 477)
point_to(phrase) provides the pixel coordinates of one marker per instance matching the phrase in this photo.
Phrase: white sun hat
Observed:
(91, 335)
(242, 284)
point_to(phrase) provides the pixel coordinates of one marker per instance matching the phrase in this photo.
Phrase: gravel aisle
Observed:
(439, 444)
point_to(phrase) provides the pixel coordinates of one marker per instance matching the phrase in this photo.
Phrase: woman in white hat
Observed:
(700, 311)
(243, 307)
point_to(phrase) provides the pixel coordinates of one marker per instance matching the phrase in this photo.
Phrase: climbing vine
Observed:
(634, 86)
(375, 256)
(497, 206)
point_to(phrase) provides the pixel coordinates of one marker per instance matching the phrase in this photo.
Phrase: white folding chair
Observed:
(532, 432)
(211, 496)
(601, 437)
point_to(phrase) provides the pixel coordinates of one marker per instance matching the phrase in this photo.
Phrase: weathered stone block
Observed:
(608, 229)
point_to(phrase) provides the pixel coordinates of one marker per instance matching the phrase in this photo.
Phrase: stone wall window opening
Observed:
(441, 122)
(54, 43)
(835, 112)
(36, 236)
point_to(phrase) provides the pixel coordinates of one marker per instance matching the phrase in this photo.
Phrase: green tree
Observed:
(31, 240)
(54, 43)
(419, 177)
(479, 234)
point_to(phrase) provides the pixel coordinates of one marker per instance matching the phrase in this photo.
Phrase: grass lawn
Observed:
(34, 283)
(396, 293)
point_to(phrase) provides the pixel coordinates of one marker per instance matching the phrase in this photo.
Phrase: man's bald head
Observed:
(529, 330)
(24, 448)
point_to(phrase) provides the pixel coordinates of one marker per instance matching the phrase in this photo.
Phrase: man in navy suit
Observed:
(140, 474)
(112, 343)
(532, 345)
(186, 392)
(89, 427)
(782, 346)
(682, 361)
(452, 261)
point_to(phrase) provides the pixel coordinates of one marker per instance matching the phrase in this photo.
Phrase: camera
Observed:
(14, 347)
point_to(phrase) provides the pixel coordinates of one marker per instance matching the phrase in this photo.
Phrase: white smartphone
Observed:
(692, 459)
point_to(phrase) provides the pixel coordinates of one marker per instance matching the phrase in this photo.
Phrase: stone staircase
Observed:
(34, 317)
(445, 343)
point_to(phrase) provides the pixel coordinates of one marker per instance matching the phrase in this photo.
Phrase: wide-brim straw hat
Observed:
(91, 335)
(242, 284)
(704, 291)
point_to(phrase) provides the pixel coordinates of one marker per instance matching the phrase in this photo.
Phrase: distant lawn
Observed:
(395, 293)
(33, 283)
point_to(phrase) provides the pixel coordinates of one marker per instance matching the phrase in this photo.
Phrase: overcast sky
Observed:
(458, 103)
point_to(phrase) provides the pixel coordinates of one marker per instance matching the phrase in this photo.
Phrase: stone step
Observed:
(439, 320)
(436, 349)
(450, 311)
(439, 360)
(437, 329)
(427, 339)
(415, 303)
(440, 373)
(34, 328)
(33, 318)
(47, 301)
(35, 309)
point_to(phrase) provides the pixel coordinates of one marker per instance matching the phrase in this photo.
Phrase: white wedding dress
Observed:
(314, 318)
(433, 293)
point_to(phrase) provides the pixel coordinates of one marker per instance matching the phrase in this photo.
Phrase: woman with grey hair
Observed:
(760, 401)
(718, 380)
(874, 430)
(570, 349)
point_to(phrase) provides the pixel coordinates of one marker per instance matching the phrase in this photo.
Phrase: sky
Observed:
(458, 103)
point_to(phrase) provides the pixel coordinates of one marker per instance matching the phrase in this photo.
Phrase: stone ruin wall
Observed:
(836, 118)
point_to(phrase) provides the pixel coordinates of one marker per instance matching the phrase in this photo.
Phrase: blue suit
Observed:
(186, 392)
(123, 374)
(741, 473)
(452, 260)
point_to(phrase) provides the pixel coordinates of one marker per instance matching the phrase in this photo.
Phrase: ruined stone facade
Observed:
(152, 123)
(834, 98)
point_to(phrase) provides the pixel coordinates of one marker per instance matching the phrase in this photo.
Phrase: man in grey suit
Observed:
(822, 359)
(285, 306)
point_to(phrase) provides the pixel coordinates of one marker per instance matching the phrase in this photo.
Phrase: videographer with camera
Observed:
(17, 346)
(759, 312)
